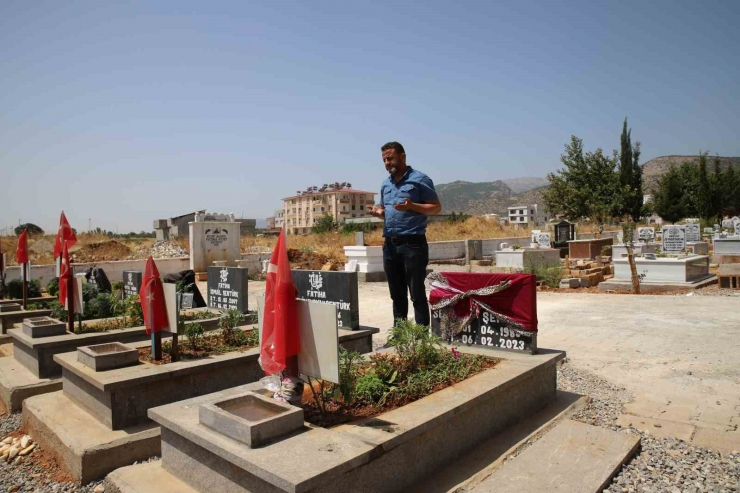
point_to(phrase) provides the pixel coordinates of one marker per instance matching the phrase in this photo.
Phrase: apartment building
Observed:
(528, 216)
(340, 201)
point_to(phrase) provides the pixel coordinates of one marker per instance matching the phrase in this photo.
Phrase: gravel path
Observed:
(662, 464)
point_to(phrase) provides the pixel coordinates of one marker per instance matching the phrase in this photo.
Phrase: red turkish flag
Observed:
(21, 252)
(151, 297)
(65, 277)
(280, 339)
(65, 234)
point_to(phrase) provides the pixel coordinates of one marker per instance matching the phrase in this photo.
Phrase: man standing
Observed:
(407, 197)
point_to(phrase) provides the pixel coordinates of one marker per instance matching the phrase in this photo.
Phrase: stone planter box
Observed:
(9, 319)
(524, 257)
(619, 251)
(369, 262)
(688, 269)
(385, 453)
(10, 307)
(43, 327)
(588, 249)
(109, 356)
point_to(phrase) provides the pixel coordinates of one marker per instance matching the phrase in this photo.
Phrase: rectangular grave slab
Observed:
(251, 418)
(108, 356)
(10, 307)
(43, 327)
(338, 288)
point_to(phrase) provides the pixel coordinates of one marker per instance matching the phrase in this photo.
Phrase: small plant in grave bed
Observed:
(197, 315)
(194, 333)
(419, 367)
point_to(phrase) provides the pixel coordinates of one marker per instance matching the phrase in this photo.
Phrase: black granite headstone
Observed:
(564, 232)
(131, 282)
(487, 330)
(227, 288)
(336, 287)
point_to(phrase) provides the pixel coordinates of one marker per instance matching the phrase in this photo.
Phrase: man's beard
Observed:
(392, 170)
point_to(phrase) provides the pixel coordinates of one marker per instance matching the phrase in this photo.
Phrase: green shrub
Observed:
(15, 289)
(58, 311)
(228, 324)
(102, 306)
(194, 333)
(53, 287)
(349, 372)
(550, 275)
(370, 388)
(415, 345)
(117, 286)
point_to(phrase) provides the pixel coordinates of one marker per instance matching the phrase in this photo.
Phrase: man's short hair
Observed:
(395, 146)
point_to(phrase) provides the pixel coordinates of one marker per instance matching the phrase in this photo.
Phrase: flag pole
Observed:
(24, 267)
(71, 280)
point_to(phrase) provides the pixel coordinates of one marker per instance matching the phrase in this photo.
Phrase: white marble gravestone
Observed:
(692, 232)
(646, 234)
(212, 241)
(674, 238)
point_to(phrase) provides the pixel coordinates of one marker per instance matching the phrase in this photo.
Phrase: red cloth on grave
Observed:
(21, 252)
(518, 302)
(64, 234)
(280, 337)
(151, 297)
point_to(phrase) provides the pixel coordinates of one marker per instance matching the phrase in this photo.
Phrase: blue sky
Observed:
(123, 112)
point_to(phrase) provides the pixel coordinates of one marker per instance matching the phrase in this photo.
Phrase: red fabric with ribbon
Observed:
(64, 234)
(151, 297)
(518, 302)
(280, 338)
(21, 253)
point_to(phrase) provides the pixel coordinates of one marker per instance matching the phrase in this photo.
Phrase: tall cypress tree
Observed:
(704, 195)
(630, 174)
(718, 199)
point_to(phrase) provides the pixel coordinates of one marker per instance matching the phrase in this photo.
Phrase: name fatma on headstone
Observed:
(227, 288)
(338, 288)
(674, 238)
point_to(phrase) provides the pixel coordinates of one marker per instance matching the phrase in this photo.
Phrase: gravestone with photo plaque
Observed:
(131, 282)
(674, 238)
(335, 287)
(227, 288)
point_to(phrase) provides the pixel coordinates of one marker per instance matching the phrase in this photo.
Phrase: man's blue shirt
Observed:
(414, 185)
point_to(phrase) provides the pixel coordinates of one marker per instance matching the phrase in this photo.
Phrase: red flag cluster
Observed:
(280, 339)
(151, 297)
(64, 235)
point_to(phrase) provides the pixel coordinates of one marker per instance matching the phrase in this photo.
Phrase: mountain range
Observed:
(496, 196)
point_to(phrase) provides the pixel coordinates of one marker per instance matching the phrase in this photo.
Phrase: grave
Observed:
(114, 403)
(227, 288)
(619, 251)
(214, 237)
(693, 234)
(381, 453)
(131, 282)
(43, 327)
(108, 356)
(662, 273)
(588, 249)
(646, 234)
(368, 262)
(727, 249)
(9, 317)
(10, 307)
(698, 247)
(520, 258)
(338, 288)
(564, 232)
(32, 370)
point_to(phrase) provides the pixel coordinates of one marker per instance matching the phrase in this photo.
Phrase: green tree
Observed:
(324, 224)
(730, 191)
(630, 175)
(704, 200)
(32, 229)
(588, 185)
(689, 176)
(669, 200)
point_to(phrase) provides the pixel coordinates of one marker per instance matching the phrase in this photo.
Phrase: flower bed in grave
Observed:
(418, 367)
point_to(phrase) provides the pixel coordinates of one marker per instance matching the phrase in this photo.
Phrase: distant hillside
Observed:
(657, 167)
(520, 185)
(484, 198)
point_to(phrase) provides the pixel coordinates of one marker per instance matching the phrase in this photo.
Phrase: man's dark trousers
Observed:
(405, 260)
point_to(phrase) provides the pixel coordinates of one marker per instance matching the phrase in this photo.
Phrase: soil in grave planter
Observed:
(337, 413)
(212, 344)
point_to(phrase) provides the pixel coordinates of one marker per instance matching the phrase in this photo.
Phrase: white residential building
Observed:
(528, 216)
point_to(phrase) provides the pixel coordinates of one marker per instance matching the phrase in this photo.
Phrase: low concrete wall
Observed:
(443, 250)
(113, 269)
(490, 247)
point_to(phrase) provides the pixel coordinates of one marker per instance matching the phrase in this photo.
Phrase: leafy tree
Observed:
(588, 185)
(670, 203)
(704, 198)
(325, 224)
(718, 199)
(32, 229)
(630, 175)
(731, 191)
(689, 177)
